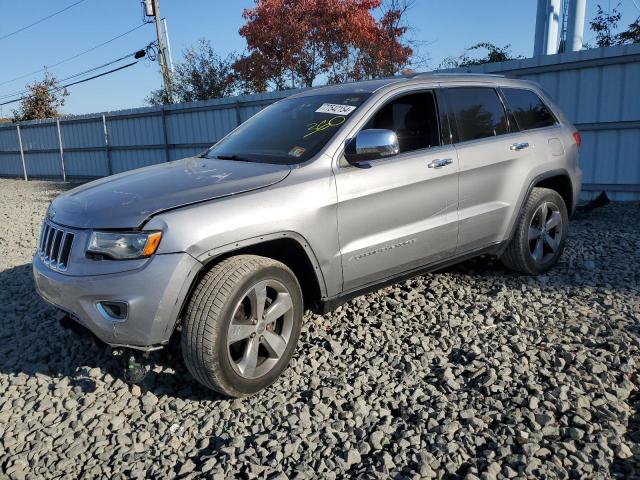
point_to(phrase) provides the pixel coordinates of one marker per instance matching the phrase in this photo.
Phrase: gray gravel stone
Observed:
(623, 451)
(375, 440)
(473, 372)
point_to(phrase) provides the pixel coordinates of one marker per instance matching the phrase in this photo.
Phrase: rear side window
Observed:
(478, 112)
(528, 109)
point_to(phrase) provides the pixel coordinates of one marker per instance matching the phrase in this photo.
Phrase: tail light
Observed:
(577, 138)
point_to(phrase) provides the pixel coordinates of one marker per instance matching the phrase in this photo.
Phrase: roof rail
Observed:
(451, 74)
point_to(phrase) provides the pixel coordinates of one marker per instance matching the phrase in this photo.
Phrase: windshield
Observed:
(290, 131)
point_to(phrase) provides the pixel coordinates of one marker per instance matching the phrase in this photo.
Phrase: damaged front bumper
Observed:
(136, 309)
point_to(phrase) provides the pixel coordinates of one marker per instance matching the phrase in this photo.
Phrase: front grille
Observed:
(55, 245)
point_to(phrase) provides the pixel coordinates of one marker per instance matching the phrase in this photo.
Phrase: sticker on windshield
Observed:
(296, 151)
(335, 109)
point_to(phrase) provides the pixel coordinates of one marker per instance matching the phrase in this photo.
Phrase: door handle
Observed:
(439, 163)
(519, 146)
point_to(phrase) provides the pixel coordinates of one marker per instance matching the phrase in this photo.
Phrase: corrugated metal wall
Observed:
(598, 89)
(103, 144)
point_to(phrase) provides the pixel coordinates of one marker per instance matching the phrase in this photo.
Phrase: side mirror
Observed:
(371, 144)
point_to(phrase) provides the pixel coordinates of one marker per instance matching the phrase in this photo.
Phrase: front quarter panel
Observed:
(302, 206)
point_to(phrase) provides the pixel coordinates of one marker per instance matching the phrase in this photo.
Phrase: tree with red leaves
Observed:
(293, 42)
(387, 55)
(43, 100)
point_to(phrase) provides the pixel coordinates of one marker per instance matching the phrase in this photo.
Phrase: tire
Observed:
(221, 334)
(532, 249)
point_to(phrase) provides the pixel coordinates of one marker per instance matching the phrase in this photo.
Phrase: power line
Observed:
(75, 83)
(75, 75)
(99, 75)
(41, 20)
(73, 56)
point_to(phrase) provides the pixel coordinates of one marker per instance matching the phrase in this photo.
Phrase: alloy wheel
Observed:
(545, 232)
(260, 329)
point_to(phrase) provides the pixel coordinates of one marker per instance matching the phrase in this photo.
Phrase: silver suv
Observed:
(320, 197)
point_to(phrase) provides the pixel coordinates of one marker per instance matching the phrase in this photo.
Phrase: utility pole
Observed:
(162, 60)
(166, 34)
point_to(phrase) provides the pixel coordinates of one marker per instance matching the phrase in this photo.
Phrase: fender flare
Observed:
(521, 201)
(210, 255)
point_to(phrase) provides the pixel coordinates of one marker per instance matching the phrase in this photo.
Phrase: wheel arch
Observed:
(560, 179)
(288, 247)
(561, 183)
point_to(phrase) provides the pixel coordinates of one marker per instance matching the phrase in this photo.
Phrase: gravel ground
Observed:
(473, 372)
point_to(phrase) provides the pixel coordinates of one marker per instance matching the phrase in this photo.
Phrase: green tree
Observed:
(43, 100)
(201, 75)
(467, 59)
(632, 34)
(604, 24)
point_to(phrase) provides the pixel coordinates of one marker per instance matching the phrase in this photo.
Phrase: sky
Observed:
(442, 27)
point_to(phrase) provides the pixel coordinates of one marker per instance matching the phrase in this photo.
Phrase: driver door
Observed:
(399, 213)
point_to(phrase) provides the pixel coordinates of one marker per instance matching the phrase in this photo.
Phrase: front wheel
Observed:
(540, 234)
(242, 324)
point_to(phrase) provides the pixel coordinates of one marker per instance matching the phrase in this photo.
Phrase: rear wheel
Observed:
(540, 234)
(242, 324)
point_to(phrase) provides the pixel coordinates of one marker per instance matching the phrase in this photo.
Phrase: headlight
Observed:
(124, 245)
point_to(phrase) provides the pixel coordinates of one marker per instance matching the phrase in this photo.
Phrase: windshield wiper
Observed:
(234, 157)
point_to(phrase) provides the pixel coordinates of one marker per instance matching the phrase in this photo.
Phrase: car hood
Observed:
(127, 199)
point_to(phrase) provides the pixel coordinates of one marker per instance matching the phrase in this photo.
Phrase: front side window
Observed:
(529, 111)
(290, 131)
(477, 112)
(413, 118)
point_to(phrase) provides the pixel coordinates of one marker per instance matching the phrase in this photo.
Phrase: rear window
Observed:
(528, 109)
(478, 112)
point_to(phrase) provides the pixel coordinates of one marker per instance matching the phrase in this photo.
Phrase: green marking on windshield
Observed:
(316, 127)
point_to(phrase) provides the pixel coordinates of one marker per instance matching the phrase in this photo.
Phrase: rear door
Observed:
(491, 153)
(401, 212)
(535, 120)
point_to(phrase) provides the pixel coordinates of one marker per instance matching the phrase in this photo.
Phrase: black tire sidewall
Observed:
(227, 372)
(533, 266)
